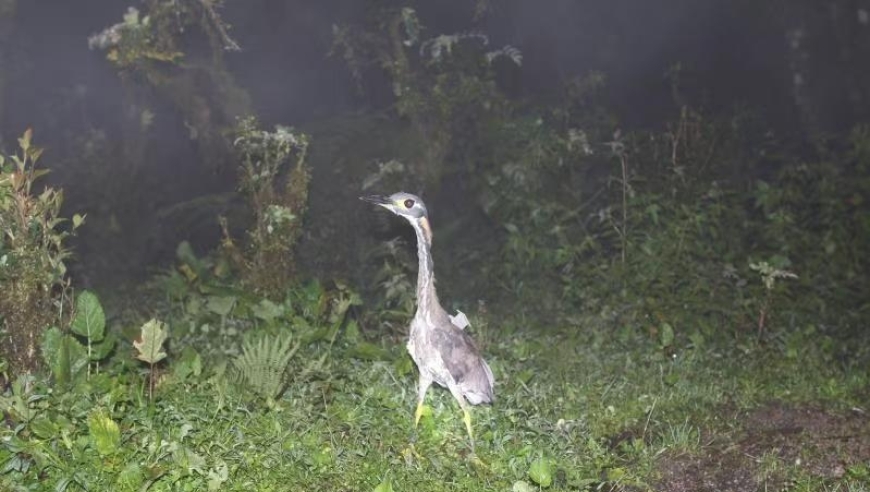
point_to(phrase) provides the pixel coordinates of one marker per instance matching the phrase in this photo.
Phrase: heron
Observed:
(439, 345)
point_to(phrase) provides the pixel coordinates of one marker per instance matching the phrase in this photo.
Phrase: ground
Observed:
(810, 440)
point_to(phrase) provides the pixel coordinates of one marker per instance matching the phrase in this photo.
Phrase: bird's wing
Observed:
(463, 361)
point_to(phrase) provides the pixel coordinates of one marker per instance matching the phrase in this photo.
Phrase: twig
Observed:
(220, 27)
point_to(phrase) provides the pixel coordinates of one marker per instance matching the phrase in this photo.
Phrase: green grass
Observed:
(581, 407)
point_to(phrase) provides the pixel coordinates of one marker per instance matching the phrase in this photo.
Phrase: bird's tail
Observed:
(482, 389)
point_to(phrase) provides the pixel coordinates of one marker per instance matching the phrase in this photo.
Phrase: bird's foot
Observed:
(417, 414)
(410, 455)
(478, 463)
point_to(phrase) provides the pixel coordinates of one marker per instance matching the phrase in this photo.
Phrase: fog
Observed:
(791, 61)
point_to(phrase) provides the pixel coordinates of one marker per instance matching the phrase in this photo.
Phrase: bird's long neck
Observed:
(427, 298)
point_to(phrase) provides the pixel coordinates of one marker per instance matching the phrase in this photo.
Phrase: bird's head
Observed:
(405, 205)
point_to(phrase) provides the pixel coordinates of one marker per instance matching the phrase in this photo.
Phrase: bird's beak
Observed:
(381, 200)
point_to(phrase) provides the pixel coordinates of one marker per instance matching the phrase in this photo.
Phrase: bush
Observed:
(32, 254)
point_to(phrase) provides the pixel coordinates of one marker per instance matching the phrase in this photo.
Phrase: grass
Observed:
(577, 408)
(705, 400)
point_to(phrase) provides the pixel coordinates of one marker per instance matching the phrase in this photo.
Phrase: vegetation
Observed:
(32, 259)
(278, 196)
(679, 309)
(154, 50)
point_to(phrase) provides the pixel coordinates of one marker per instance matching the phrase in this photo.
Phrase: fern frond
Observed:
(263, 363)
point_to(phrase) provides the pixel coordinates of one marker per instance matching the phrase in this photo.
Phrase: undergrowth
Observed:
(658, 287)
(33, 256)
(242, 391)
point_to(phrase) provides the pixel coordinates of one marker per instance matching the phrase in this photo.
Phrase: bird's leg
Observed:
(466, 414)
(466, 417)
(422, 387)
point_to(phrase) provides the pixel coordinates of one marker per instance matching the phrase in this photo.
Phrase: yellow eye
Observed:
(409, 203)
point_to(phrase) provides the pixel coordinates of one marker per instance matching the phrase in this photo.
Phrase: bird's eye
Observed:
(409, 203)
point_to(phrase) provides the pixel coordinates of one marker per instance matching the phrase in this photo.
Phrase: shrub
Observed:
(32, 254)
(278, 197)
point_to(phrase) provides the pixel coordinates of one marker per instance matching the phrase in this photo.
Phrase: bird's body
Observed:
(443, 351)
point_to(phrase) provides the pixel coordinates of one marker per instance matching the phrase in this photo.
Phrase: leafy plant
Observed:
(278, 197)
(541, 472)
(32, 257)
(104, 432)
(149, 346)
(90, 322)
(61, 349)
(262, 365)
(769, 275)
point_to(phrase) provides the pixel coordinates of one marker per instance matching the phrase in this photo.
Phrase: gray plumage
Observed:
(444, 352)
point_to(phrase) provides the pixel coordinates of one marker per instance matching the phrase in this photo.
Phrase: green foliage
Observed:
(104, 432)
(649, 254)
(143, 39)
(32, 257)
(263, 363)
(171, 54)
(278, 196)
(395, 281)
(65, 356)
(617, 430)
(541, 472)
(133, 41)
(444, 85)
(149, 345)
(90, 322)
(666, 236)
(62, 350)
(654, 230)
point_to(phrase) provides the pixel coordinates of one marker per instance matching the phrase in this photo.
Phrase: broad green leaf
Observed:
(541, 472)
(221, 305)
(101, 350)
(150, 342)
(78, 356)
(188, 363)
(104, 432)
(90, 320)
(54, 355)
(666, 335)
(64, 355)
(43, 428)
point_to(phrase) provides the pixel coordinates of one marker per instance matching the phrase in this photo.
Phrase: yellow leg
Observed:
(466, 417)
(418, 413)
(422, 386)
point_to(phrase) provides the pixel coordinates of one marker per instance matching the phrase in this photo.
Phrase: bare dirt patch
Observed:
(776, 441)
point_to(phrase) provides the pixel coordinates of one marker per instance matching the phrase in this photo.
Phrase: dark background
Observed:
(801, 64)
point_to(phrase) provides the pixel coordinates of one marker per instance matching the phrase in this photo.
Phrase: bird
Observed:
(442, 349)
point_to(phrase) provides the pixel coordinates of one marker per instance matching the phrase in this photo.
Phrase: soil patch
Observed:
(774, 443)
